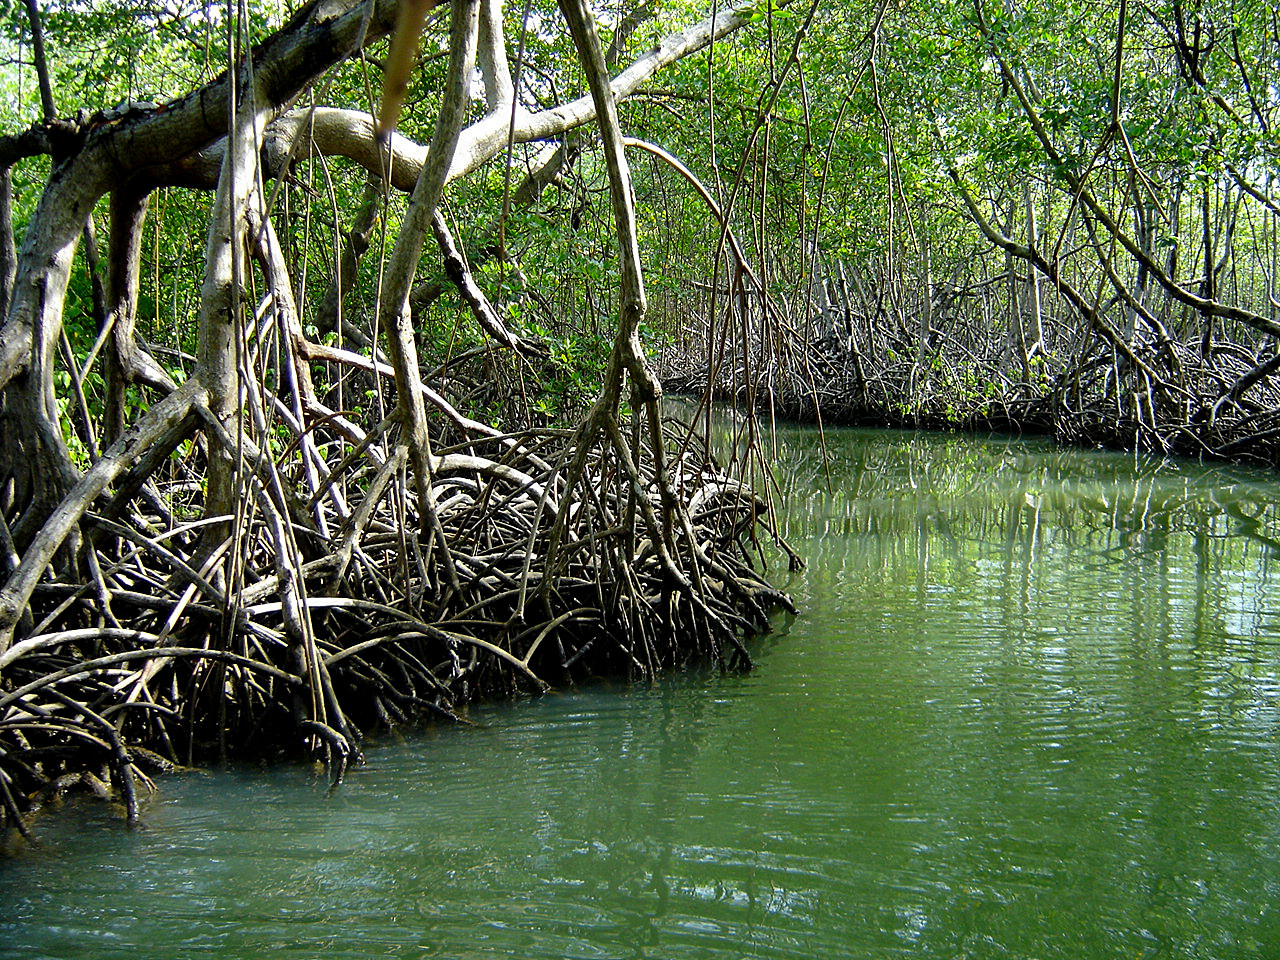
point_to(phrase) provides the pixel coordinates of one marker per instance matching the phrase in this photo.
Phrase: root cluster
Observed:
(346, 597)
(1159, 394)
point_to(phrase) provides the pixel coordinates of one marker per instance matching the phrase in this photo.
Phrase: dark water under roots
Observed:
(1030, 710)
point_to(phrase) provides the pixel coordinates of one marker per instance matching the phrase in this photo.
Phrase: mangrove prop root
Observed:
(170, 650)
(1159, 395)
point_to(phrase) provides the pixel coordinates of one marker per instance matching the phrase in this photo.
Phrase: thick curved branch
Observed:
(116, 151)
(482, 141)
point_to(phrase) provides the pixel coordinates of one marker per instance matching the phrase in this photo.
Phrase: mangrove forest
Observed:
(339, 338)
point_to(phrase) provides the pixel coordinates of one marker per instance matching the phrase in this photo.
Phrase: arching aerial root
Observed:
(333, 606)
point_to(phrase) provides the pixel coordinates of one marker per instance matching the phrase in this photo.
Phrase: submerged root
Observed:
(341, 600)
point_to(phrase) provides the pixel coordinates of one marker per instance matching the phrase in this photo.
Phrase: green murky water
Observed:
(1031, 710)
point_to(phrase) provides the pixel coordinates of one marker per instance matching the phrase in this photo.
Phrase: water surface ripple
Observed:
(1030, 710)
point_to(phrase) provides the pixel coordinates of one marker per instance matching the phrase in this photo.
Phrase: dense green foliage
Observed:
(838, 138)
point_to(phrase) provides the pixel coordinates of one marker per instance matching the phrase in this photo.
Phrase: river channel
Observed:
(1030, 709)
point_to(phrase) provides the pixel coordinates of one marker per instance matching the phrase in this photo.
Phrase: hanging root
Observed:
(336, 604)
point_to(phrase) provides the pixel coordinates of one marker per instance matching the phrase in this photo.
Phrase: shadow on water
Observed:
(1031, 709)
